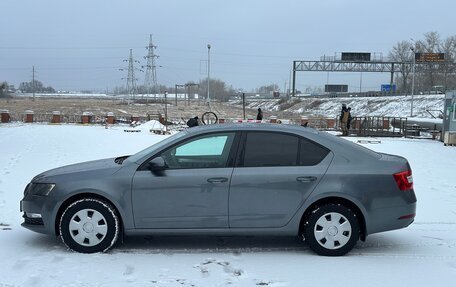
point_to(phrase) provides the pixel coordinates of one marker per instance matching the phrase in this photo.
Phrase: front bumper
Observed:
(36, 214)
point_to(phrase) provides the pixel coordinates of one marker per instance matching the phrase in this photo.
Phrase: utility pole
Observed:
(243, 106)
(33, 82)
(289, 87)
(293, 91)
(208, 74)
(413, 77)
(131, 80)
(151, 68)
(175, 95)
(392, 80)
(178, 86)
(360, 82)
(189, 85)
(166, 112)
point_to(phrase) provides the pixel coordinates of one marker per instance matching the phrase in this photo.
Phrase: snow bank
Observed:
(149, 126)
(398, 106)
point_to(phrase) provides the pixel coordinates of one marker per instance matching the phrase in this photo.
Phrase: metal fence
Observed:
(378, 126)
(78, 118)
(360, 126)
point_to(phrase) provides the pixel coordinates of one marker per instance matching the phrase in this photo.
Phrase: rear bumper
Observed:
(390, 218)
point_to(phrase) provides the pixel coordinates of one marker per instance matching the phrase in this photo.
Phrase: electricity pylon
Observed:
(131, 79)
(150, 79)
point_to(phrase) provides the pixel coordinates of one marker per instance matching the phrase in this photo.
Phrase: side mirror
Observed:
(157, 164)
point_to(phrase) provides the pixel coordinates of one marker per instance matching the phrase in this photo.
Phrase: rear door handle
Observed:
(306, 178)
(217, 179)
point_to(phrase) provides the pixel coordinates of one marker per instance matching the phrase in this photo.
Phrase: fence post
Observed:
(56, 117)
(29, 116)
(5, 116)
(86, 117)
(110, 118)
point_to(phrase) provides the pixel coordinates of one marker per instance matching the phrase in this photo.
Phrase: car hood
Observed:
(90, 166)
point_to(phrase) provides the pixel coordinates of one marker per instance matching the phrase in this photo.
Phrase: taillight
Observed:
(404, 180)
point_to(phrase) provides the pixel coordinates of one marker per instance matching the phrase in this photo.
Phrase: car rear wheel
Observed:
(332, 230)
(89, 225)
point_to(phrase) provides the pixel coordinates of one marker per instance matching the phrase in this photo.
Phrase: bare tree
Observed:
(430, 44)
(37, 86)
(268, 89)
(218, 89)
(440, 74)
(403, 53)
(3, 89)
(448, 46)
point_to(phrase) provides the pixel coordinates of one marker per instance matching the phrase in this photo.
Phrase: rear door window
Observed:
(270, 149)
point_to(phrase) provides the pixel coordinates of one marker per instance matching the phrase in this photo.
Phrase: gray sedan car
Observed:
(233, 179)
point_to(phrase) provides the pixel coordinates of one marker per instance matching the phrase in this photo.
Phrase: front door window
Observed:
(210, 151)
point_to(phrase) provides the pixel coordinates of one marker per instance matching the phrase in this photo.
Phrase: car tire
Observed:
(331, 230)
(89, 225)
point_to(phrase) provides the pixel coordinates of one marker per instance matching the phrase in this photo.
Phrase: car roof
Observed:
(253, 126)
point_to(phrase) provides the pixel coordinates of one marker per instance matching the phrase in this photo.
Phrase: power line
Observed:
(64, 68)
(136, 47)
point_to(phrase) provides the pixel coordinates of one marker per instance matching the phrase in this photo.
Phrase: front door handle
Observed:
(306, 178)
(217, 179)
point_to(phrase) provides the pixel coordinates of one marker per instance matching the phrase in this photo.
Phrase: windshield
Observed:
(145, 152)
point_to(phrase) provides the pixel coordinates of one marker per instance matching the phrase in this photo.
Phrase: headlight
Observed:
(41, 189)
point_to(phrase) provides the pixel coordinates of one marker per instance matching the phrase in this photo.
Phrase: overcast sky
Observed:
(81, 44)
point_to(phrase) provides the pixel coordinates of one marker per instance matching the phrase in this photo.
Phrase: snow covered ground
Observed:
(424, 254)
(397, 106)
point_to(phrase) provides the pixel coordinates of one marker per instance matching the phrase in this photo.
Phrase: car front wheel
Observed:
(332, 230)
(89, 225)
